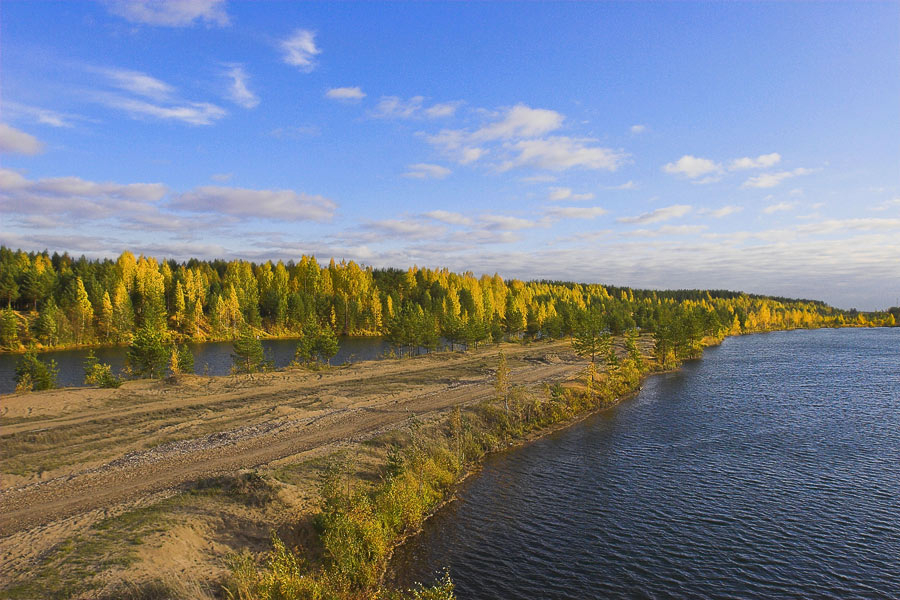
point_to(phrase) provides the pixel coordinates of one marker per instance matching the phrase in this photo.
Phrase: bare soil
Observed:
(84, 469)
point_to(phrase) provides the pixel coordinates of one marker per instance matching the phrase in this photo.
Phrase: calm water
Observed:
(213, 358)
(769, 469)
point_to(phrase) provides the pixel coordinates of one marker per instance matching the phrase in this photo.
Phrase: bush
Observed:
(99, 374)
(34, 374)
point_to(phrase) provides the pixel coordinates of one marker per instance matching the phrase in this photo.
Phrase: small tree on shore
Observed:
(148, 354)
(33, 374)
(591, 339)
(248, 355)
(98, 373)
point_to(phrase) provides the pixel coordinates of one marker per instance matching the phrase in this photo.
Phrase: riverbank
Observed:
(358, 528)
(112, 491)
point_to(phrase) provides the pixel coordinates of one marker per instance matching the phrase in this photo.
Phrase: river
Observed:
(212, 358)
(768, 469)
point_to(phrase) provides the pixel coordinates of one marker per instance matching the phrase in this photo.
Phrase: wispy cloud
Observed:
(394, 107)
(193, 113)
(451, 218)
(300, 50)
(628, 185)
(39, 115)
(279, 205)
(562, 153)
(345, 94)
(14, 141)
(407, 229)
(778, 207)
(762, 161)
(769, 180)
(139, 83)
(505, 222)
(75, 197)
(563, 193)
(724, 211)
(638, 129)
(148, 96)
(426, 171)
(520, 121)
(692, 167)
(238, 92)
(575, 212)
(170, 13)
(660, 214)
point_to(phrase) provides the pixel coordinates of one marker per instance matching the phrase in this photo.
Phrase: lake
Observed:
(213, 358)
(768, 469)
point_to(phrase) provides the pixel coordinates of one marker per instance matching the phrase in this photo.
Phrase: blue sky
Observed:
(750, 146)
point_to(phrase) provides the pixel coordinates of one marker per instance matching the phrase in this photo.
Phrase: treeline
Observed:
(57, 301)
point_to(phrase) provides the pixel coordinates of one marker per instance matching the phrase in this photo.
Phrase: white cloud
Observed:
(628, 185)
(692, 167)
(762, 161)
(830, 226)
(75, 197)
(139, 83)
(660, 214)
(563, 193)
(778, 207)
(154, 98)
(412, 230)
(668, 230)
(888, 204)
(222, 177)
(444, 109)
(769, 180)
(346, 94)
(575, 212)
(171, 13)
(193, 113)
(466, 146)
(13, 141)
(300, 50)
(426, 171)
(42, 116)
(638, 129)
(724, 211)
(451, 218)
(505, 223)
(541, 178)
(279, 205)
(393, 107)
(520, 121)
(238, 92)
(562, 153)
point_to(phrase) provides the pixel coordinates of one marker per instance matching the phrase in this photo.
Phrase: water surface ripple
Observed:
(768, 469)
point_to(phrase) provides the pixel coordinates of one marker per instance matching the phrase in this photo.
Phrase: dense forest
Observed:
(58, 301)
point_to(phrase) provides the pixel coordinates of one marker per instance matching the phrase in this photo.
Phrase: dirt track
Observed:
(72, 452)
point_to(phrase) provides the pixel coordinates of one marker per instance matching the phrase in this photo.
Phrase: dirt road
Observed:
(69, 452)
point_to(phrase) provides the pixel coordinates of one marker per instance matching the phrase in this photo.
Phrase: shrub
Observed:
(34, 374)
(99, 374)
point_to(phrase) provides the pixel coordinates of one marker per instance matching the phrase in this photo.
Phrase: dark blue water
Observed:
(212, 358)
(768, 469)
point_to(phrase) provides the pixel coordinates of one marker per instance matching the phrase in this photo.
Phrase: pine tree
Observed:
(33, 374)
(9, 329)
(148, 354)
(248, 355)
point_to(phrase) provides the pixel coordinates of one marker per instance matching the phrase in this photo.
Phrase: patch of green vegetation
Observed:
(359, 523)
